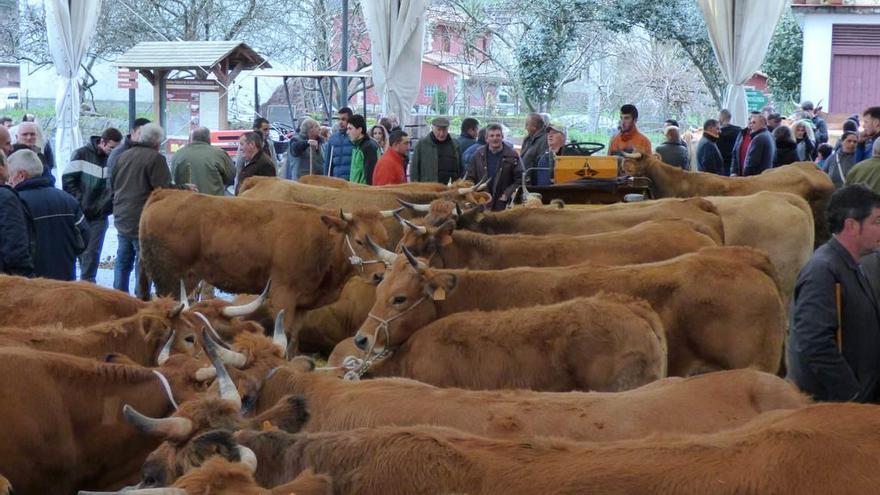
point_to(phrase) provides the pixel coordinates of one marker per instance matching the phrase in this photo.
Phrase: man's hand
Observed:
(313, 143)
(192, 187)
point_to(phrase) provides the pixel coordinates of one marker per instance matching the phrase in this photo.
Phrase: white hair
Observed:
(307, 124)
(25, 160)
(152, 135)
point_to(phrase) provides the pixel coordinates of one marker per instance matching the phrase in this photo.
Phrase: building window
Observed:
(431, 90)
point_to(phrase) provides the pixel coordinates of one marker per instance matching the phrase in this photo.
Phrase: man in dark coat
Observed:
(727, 138)
(834, 344)
(256, 161)
(762, 148)
(16, 257)
(500, 163)
(813, 113)
(61, 229)
(126, 143)
(709, 157)
(139, 171)
(436, 157)
(87, 179)
(470, 130)
(535, 143)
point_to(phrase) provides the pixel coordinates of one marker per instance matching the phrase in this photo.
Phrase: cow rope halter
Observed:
(356, 260)
(358, 367)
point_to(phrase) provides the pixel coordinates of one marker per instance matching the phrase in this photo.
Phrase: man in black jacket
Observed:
(708, 156)
(500, 163)
(834, 344)
(727, 138)
(16, 257)
(87, 179)
(470, 129)
(59, 224)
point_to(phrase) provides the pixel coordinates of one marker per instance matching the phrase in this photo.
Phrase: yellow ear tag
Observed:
(267, 426)
(439, 294)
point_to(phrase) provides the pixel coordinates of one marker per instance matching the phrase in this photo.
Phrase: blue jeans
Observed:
(126, 255)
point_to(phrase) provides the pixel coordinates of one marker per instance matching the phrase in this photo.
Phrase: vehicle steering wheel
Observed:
(583, 148)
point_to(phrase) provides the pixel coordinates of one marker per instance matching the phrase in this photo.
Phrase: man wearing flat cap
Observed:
(436, 157)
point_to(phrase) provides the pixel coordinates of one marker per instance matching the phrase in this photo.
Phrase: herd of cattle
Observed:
(624, 349)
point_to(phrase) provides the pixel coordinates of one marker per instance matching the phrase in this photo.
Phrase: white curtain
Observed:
(740, 31)
(397, 28)
(70, 25)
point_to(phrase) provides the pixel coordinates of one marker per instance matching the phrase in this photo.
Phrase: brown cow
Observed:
(699, 404)
(146, 338)
(780, 224)
(705, 300)
(61, 422)
(271, 188)
(335, 183)
(542, 221)
(781, 452)
(28, 302)
(305, 250)
(606, 343)
(642, 243)
(803, 179)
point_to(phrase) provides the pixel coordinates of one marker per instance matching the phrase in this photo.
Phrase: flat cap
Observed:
(440, 122)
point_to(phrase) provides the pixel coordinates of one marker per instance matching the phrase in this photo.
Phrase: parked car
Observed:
(9, 98)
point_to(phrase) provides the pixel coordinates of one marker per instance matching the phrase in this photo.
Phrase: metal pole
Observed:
(132, 107)
(343, 90)
(162, 99)
(256, 97)
(289, 105)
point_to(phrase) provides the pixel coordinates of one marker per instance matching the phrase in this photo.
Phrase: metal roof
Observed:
(189, 55)
(316, 74)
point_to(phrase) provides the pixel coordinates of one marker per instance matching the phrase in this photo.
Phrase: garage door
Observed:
(855, 67)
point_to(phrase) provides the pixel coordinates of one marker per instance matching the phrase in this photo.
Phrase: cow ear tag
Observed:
(439, 294)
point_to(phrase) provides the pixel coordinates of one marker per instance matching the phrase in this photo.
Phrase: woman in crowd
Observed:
(673, 151)
(380, 135)
(842, 160)
(786, 148)
(806, 141)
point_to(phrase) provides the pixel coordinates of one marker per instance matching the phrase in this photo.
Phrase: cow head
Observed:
(425, 239)
(354, 229)
(636, 164)
(405, 302)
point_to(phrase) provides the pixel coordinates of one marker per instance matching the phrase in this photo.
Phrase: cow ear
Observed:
(440, 285)
(444, 233)
(335, 223)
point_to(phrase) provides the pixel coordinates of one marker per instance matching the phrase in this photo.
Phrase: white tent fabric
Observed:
(740, 31)
(397, 28)
(70, 25)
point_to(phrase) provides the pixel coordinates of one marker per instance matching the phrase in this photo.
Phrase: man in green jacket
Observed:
(204, 165)
(867, 172)
(436, 157)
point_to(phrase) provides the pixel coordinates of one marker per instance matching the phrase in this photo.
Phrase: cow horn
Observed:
(183, 297)
(139, 491)
(390, 213)
(176, 310)
(421, 229)
(415, 206)
(279, 337)
(249, 308)
(173, 428)
(449, 184)
(632, 156)
(418, 265)
(483, 184)
(215, 354)
(214, 333)
(458, 212)
(228, 356)
(248, 458)
(166, 350)
(386, 255)
(345, 216)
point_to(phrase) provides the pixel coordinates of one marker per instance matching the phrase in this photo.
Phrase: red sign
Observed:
(126, 79)
(127, 84)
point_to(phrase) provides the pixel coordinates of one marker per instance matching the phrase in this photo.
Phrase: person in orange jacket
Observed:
(629, 139)
(391, 169)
